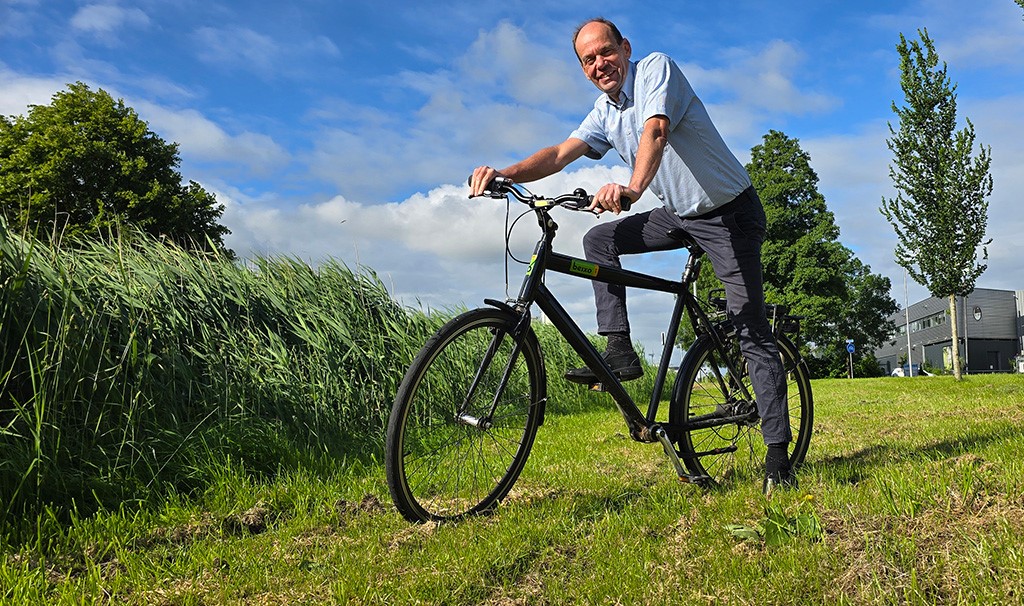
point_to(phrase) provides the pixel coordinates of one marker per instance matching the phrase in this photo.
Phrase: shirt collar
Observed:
(626, 92)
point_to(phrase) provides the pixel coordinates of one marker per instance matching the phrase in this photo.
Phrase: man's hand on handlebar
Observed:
(485, 181)
(481, 178)
(613, 197)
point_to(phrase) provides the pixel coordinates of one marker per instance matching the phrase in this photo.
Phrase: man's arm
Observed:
(648, 160)
(542, 163)
(649, 154)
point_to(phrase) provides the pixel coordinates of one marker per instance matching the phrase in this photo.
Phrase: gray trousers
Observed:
(731, 236)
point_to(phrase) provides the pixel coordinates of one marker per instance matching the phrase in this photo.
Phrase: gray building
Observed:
(990, 327)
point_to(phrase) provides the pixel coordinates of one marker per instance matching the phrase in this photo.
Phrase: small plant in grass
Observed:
(781, 525)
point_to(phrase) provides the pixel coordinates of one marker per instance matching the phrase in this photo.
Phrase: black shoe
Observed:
(784, 480)
(778, 470)
(624, 363)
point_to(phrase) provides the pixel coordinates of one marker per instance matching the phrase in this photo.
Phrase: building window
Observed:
(928, 322)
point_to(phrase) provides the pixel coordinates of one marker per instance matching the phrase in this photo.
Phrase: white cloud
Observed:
(997, 125)
(20, 91)
(444, 140)
(17, 18)
(236, 47)
(201, 138)
(506, 60)
(442, 223)
(106, 19)
(761, 80)
(990, 36)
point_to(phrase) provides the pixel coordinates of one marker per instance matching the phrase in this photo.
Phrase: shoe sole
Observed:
(625, 374)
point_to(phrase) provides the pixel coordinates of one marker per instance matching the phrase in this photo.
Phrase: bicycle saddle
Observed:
(681, 234)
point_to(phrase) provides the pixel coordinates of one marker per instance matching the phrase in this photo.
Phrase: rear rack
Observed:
(781, 320)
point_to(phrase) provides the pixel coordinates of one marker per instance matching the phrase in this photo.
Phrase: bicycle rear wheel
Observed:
(447, 456)
(734, 449)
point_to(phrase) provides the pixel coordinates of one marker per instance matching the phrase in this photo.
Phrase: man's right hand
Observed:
(482, 177)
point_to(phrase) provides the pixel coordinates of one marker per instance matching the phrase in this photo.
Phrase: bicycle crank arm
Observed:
(670, 452)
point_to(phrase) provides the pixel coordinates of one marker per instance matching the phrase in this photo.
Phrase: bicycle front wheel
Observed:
(465, 418)
(705, 390)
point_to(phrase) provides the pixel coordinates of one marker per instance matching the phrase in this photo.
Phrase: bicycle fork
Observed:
(487, 421)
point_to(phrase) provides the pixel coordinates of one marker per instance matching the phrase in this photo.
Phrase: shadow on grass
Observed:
(854, 467)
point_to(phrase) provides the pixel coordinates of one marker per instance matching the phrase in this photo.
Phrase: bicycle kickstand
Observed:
(673, 456)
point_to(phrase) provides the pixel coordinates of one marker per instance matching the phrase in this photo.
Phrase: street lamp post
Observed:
(967, 342)
(906, 310)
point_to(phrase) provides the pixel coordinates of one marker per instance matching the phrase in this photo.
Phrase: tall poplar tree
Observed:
(940, 210)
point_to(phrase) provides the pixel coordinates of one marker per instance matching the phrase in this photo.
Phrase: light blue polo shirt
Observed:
(698, 173)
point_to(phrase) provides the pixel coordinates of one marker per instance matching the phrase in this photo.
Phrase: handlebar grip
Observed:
(625, 203)
(497, 184)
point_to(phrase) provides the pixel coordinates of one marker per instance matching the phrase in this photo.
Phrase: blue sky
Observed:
(347, 129)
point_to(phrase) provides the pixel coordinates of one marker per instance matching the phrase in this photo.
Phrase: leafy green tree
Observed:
(87, 163)
(807, 269)
(940, 211)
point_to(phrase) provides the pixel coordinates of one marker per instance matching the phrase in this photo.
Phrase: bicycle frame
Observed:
(642, 428)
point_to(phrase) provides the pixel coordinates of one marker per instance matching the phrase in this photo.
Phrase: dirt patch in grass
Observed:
(254, 520)
(412, 536)
(883, 557)
(369, 505)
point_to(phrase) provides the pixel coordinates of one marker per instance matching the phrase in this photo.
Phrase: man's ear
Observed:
(627, 49)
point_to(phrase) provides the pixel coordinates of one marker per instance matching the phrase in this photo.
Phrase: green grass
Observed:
(916, 483)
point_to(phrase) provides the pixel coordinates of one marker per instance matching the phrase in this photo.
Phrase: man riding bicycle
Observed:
(650, 115)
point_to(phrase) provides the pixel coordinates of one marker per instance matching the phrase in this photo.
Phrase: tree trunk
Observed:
(956, 337)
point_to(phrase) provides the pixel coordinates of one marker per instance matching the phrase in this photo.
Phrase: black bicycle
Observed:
(469, 406)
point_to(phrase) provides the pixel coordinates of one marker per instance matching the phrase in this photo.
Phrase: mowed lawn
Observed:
(911, 494)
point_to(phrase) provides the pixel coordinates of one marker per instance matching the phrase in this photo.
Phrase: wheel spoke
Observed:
(440, 467)
(736, 449)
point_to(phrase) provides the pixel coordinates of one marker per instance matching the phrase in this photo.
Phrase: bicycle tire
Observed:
(439, 468)
(735, 450)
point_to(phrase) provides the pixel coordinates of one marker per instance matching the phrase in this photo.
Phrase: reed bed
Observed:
(132, 368)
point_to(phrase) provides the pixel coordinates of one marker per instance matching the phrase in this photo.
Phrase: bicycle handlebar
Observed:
(500, 187)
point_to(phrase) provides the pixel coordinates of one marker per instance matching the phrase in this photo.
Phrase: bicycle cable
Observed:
(508, 238)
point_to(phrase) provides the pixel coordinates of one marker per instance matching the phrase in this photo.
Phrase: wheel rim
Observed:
(452, 468)
(736, 451)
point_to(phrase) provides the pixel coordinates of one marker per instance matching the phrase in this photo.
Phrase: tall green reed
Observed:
(131, 368)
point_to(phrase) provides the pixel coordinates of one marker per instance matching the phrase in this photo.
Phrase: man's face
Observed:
(605, 62)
